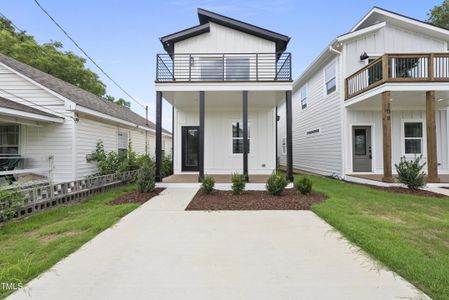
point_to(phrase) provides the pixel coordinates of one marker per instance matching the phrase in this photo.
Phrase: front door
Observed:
(190, 146)
(361, 149)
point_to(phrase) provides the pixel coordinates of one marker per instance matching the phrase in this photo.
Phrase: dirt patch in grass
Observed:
(48, 237)
(290, 199)
(136, 197)
(400, 190)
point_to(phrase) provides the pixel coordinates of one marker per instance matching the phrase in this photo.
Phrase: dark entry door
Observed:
(361, 149)
(190, 146)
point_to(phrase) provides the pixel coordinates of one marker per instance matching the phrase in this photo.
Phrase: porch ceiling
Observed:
(225, 99)
(401, 100)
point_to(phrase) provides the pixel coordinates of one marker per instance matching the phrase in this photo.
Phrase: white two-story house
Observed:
(224, 79)
(374, 95)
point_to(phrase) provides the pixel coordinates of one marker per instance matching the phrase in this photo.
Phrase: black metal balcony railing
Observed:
(404, 68)
(223, 67)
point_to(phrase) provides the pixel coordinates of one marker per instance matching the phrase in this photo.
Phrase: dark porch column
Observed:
(386, 128)
(432, 161)
(245, 134)
(158, 136)
(201, 138)
(288, 110)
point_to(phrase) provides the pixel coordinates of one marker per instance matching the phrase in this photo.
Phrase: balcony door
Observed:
(190, 147)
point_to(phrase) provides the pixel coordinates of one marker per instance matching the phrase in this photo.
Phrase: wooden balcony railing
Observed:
(407, 68)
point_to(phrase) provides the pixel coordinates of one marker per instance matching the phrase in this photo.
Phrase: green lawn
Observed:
(408, 234)
(30, 246)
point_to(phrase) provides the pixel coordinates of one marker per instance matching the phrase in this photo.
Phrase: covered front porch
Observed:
(221, 132)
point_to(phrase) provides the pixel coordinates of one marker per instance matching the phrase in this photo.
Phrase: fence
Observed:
(44, 196)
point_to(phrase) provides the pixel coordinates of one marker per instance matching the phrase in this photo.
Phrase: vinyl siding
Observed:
(39, 142)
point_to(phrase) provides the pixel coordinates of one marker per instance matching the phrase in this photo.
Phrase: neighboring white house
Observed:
(48, 127)
(221, 75)
(375, 94)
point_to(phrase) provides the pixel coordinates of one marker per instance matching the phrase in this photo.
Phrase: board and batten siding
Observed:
(374, 119)
(317, 152)
(389, 39)
(218, 156)
(37, 143)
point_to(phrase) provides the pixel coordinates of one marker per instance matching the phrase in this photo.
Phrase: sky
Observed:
(123, 35)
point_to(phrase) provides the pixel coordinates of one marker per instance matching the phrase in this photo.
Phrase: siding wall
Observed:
(218, 156)
(374, 119)
(318, 152)
(39, 142)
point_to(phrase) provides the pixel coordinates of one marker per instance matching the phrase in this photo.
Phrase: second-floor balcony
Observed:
(223, 67)
(399, 68)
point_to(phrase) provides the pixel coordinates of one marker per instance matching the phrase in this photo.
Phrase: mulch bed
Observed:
(136, 197)
(401, 190)
(290, 199)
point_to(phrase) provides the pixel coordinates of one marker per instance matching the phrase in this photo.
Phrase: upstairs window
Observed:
(211, 68)
(413, 137)
(122, 142)
(237, 68)
(330, 78)
(303, 95)
(9, 140)
(237, 137)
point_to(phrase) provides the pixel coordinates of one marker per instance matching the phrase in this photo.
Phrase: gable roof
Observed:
(76, 94)
(378, 15)
(205, 17)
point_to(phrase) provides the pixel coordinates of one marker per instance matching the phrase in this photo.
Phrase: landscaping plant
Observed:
(410, 172)
(238, 183)
(303, 185)
(276, 184)
(11, 199)
(166, 168)
(207, 184)
(146, 176)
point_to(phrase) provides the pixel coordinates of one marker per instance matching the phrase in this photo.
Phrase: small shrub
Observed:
(276, 184)
(166, 168)
(207, 184)
(11, 199)
(410, 172)
(146, 177)
(303, 185)
(238, 183)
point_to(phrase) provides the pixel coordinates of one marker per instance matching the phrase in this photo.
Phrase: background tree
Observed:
(50, 58)
(119, 101)
(439, 15)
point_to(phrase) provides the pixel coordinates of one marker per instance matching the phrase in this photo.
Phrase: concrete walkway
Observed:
(160, 251)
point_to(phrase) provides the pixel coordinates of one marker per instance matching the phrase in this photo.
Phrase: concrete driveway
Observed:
(160, 251)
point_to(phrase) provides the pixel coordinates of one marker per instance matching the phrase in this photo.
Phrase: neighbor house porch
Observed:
(397, 106)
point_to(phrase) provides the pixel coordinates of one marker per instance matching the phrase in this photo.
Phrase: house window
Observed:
(237, 137)
(122, 142)
(211, 68)
(284, 146)
(303, 95)
(9, 140)
(237, 68)
(413, 137)
(330, 78)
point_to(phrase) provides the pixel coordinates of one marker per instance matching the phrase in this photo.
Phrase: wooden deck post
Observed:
(245, 134)
(386, 128)
(158, 174)
(432, 161)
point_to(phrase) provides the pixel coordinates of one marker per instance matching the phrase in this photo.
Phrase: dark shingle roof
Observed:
(76, 94)
(18, 106)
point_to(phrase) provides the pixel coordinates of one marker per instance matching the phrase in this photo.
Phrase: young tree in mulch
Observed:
(276, 184)
(208, 184)
(410, 172)
(238, 183)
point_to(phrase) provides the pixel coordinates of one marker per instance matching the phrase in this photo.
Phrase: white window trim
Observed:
(19, 140)
(334, 61)
(128, 138)
(305, 86)
(284, 146)
(250, 137)
(423, 141)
